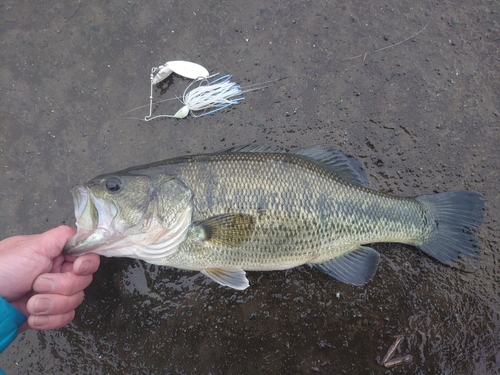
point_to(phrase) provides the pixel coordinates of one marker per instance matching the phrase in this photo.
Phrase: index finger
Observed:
(86, 264)
(83, 265)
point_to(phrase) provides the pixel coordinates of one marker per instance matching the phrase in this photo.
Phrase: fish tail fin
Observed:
(453, 218)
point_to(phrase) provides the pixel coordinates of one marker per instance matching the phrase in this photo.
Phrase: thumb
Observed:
(52, 242)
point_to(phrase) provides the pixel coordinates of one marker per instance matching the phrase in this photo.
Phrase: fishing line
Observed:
(364, 55)
(213, 96)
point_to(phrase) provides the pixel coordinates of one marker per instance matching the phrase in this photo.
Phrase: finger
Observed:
(67, 283)
(86, 264)
(58, 264)
(52, 242)
(66, 267)
(50, 321)
(53, 304)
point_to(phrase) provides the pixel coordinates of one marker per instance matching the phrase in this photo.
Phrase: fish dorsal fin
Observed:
(348, 168)
(233, 278)
(249, 148)
(355, 267)
(227, 230)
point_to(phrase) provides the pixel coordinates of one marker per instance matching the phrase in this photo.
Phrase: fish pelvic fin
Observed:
(233, 278)
(227, 230)
(355, 267)
(453, 218)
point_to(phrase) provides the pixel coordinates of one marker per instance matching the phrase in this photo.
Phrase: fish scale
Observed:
(252, 209)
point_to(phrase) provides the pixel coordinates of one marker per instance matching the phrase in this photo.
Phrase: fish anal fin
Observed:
(355, 267)
(233, 278)
(227, 230)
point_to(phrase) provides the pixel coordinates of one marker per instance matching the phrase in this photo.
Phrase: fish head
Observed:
(138, 215)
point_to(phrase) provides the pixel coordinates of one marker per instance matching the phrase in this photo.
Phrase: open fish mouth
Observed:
(94, 218)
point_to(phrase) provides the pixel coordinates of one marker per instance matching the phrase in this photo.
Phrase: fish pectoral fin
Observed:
(233, 278)
(354, 267)
(227, 230)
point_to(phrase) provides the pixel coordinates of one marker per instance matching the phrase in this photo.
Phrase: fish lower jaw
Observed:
(86, 241)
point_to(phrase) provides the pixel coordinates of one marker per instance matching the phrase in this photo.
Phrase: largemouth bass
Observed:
(249, 208)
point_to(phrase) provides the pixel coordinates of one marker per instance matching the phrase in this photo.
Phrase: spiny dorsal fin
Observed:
(233, 278)
(227, 230)
(348, 168)
(355, 267)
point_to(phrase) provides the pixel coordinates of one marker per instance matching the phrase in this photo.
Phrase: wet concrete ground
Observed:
(422, 117)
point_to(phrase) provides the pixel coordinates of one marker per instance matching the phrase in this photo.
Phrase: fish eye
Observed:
(113, 184)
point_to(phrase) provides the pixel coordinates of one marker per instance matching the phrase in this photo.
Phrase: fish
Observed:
(250, 208)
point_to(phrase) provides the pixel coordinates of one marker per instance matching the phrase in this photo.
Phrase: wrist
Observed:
(10, 321)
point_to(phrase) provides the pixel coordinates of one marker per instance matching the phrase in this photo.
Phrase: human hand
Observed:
(40, 281)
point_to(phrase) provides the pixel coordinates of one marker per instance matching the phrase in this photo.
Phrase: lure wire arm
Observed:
(154, 69)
